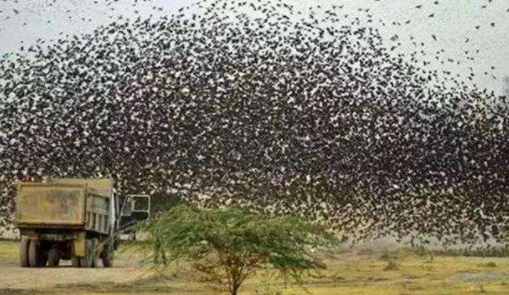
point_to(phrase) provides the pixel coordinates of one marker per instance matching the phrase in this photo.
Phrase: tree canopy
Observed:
(228, 245)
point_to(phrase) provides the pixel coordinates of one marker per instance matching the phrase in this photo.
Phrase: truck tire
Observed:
(107, 256)
(23, 252)
(36, 257)
(53, 257)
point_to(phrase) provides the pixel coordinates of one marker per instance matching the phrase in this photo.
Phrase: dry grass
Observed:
(348, 273)
(8, 250)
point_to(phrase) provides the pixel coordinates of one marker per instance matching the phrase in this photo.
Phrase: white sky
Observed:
(454, 22)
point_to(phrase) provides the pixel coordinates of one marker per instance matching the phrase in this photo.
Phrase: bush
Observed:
(229, 245)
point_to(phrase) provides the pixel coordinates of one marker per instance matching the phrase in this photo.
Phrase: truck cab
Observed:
(135, 208)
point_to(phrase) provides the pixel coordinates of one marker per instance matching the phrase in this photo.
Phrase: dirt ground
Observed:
(12, 276)
(367, 270)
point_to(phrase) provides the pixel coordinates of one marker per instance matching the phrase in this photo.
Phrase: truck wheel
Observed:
(107, 256)
(96, 252)
(36, 257)
(23, 252)
(53, 257)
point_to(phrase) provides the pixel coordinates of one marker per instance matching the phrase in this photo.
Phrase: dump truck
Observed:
(67, 219)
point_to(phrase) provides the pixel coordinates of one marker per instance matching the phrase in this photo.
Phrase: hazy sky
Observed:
(454, 25)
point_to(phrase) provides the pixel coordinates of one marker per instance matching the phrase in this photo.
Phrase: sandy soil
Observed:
(12, 276)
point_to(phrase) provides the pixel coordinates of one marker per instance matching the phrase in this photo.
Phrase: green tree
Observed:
(229, 245)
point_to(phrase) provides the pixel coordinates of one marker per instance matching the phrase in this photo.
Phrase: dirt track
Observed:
(12, 276)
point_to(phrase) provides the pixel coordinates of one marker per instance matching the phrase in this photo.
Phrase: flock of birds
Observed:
(262, 105)
(78, 12)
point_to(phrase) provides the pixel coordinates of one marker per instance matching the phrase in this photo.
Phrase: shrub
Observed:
(229, 245)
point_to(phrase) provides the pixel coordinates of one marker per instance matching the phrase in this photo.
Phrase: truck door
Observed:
(135, 208)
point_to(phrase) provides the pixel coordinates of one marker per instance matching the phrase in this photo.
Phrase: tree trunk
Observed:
(235, 281)
(234, 289)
